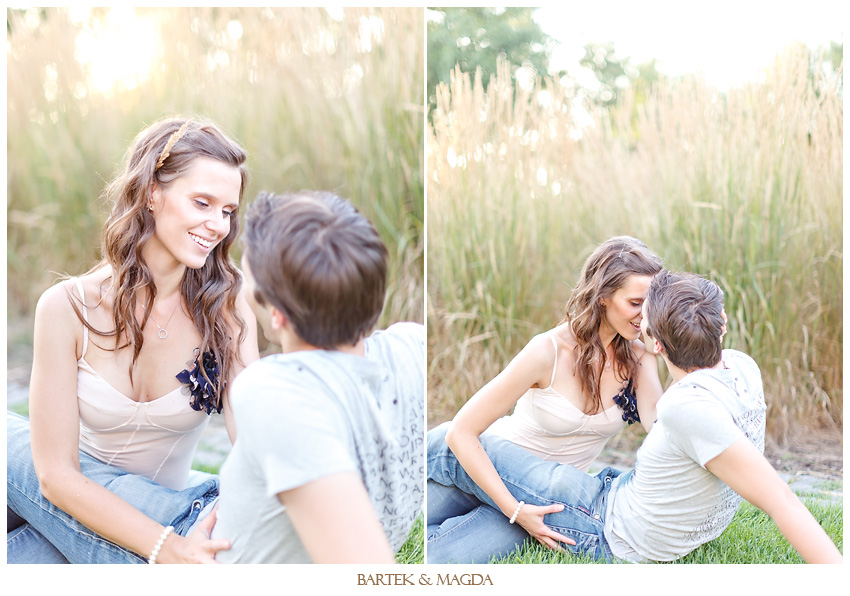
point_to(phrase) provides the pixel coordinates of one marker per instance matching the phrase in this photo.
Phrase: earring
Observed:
(150, 207)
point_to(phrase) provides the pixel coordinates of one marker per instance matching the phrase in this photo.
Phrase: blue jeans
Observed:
(464, 525)
(52, 536)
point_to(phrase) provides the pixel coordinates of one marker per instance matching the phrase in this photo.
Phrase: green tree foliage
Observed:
(477, 37)
(826, 66)
(616, 73)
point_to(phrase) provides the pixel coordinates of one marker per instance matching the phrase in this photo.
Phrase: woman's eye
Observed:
(201, 204)
(229, 213)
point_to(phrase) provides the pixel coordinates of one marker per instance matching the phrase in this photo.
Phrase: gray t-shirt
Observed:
(670, 504)
(306, 415)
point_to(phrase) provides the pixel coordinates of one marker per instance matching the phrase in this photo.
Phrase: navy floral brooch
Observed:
(202, 389)
(628, 402)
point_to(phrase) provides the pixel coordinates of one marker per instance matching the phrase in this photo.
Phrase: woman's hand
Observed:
(197, 547)
(530, 517)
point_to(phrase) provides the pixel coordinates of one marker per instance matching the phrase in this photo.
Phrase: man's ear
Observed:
(279, 319)
(655, 347)
(723, 327)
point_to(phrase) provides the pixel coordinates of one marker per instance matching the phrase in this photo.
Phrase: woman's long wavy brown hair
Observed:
(209, 293)
(606, 270)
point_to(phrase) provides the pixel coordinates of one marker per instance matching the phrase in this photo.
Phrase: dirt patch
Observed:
(815, 452)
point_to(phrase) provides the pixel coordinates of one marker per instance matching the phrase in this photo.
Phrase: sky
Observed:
(729, 42)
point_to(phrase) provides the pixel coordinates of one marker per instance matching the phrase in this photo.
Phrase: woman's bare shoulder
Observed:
(643, 355)
(566, 340)
(555, 345)
(638, 348)
(58, 300)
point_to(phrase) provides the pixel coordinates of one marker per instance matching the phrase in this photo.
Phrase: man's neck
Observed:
(678, 374)
(289, 343)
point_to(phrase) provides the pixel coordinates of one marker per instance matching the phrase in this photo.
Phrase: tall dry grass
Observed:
(744, 187)
(320, 101)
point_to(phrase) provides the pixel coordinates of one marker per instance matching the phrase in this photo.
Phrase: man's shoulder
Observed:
(399, 340)
(402, 331)
(267, 365)
(714, 389)
(273, 372)
(745, 362)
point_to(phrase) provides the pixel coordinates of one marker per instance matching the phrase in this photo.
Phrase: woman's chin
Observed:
(195, 263)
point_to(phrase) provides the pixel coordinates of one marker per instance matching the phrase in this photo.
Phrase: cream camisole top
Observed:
(156, 439)
(548, 425)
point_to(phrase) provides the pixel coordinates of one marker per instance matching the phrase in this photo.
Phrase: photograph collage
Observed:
(425, 299)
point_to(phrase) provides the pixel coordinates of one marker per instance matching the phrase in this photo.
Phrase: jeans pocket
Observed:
(195, 501)
(600, 503)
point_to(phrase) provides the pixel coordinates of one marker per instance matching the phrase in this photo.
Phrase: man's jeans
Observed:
(52, 536)
(464, 525)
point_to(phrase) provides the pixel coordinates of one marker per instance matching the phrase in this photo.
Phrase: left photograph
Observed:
(215, 285)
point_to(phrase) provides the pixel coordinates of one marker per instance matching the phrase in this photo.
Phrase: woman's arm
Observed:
(748, 473)
(648, 387)
(54, 424)
(336, 521)
(531, 367)
(248, 353)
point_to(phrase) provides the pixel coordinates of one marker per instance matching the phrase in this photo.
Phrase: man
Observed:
(703, 454)
(328, 462)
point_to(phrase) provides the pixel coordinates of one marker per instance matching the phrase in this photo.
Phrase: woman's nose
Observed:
(220, 225)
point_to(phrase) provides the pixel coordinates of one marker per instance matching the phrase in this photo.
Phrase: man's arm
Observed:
(747, 472)
(336, 522)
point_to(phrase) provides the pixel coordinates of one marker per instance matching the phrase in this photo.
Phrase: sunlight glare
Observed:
(117, 50)
(371, 27)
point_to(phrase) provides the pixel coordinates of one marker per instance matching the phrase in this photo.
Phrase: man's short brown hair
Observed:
(684, 314)
(320, 262)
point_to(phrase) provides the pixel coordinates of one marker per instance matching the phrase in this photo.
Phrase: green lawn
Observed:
(751, 538)
(411, 551)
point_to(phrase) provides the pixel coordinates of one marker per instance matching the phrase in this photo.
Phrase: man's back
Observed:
(306, 415)
(670, 504)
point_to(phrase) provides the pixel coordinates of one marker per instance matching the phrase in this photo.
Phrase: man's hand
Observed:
(197, 547)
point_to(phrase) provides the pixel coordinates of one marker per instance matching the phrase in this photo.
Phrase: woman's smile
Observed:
(205, 244)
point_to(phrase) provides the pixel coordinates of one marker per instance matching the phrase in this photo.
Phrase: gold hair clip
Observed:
(172, 140)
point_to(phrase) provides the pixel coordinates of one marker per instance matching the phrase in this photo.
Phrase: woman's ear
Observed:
(723, 327)
(154, 198)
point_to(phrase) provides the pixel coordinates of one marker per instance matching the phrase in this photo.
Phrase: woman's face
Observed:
(623, 307)
(193, 213)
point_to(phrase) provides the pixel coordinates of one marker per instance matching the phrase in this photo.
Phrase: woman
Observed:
(573, 387)
(110, 410)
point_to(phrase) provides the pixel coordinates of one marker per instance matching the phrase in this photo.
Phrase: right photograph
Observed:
(634, 287)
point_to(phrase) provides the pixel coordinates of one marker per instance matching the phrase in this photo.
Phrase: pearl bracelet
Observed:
(159, 544)
(516, 511)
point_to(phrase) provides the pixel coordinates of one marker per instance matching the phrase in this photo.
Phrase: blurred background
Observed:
(716, 138)
(328, 99)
